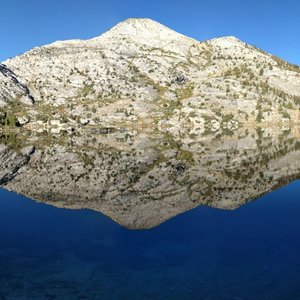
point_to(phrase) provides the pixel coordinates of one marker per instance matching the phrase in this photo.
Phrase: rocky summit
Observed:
(141, 73)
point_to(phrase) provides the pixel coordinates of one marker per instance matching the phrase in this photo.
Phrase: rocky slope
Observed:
(141, 72)
(12, 88)
(141, 179)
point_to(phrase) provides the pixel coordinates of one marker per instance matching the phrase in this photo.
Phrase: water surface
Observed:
(222, 245)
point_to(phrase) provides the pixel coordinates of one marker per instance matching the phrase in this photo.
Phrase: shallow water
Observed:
(205, 253)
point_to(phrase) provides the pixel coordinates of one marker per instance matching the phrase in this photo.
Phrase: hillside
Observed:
(143, 73)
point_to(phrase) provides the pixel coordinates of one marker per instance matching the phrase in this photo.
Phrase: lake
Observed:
(139, 215)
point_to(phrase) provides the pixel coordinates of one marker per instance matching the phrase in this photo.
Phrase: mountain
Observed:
(142, 179)
(160, 123)
(143, 73)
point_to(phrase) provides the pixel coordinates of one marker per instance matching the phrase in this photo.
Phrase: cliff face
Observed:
(141, 72)
(12, 88)
(142, 179)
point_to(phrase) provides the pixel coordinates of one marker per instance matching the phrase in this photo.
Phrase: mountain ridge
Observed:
(157, 76)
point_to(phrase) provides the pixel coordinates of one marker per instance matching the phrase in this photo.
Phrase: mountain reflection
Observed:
(142, 178)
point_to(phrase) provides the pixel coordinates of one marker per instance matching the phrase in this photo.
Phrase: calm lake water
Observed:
(226, 247)
(206, 253)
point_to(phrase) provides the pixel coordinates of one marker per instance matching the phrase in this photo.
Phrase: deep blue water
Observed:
(250, 253)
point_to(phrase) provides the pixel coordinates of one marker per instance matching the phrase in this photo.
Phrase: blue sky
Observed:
(270, 25)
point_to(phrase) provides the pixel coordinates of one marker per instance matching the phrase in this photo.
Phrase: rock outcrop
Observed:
(12, 88)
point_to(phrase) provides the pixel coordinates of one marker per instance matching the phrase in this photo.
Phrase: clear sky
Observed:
(268, 24)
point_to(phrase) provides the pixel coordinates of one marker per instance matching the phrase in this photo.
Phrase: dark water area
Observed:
(252, 252)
